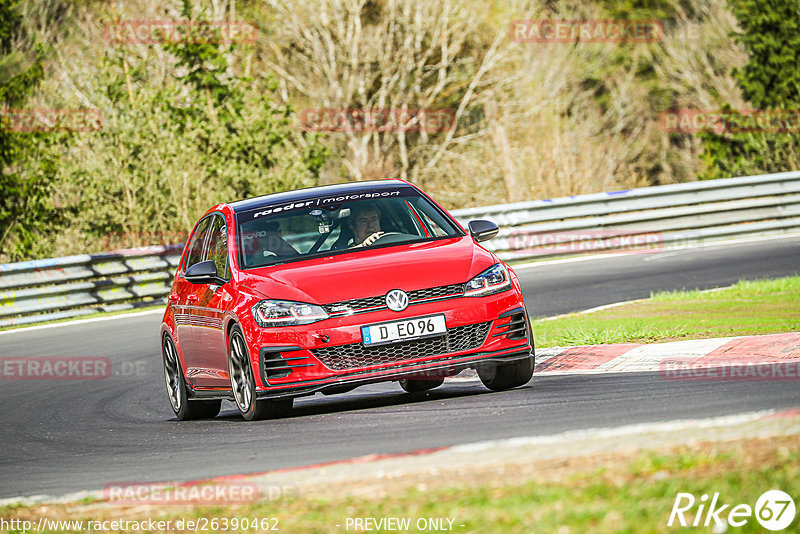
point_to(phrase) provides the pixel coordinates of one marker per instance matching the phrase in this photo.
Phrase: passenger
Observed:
(274, 242)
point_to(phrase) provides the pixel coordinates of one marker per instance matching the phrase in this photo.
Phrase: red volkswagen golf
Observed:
(330, 288)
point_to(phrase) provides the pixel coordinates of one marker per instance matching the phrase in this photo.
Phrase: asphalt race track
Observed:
(61, 437)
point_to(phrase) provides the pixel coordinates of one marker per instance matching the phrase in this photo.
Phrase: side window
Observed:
(198, 240)
(435, 222)
(437, 230)
(218, 246)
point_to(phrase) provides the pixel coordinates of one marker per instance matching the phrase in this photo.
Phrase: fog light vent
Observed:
(515, 328)
(275, 366)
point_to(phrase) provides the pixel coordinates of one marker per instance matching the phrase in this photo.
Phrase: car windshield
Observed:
(310, 227)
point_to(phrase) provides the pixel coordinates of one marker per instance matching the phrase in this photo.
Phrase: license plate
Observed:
(404, 330)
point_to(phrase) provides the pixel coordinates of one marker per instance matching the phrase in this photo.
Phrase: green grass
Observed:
(622, 493)
(634, 496)
(746, 308)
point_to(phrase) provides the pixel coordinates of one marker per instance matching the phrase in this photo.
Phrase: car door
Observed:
(213, 300)
(185, 296)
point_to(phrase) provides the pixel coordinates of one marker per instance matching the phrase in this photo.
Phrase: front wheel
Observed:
(499, 376)
(244, 386)
(184, 408)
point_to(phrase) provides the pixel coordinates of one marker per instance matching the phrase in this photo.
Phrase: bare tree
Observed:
(375, 56)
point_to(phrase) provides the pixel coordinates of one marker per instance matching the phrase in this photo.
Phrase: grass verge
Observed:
(619, 492)
(746, 308)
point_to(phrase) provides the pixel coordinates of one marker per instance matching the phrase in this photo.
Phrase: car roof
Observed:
(312, 192)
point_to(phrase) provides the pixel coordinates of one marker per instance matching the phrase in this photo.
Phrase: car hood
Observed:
(371, 272)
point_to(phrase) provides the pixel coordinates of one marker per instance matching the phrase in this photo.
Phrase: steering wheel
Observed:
(392, 237)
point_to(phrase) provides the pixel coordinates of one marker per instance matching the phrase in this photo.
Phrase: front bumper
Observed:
(329, 355)
(450, 365)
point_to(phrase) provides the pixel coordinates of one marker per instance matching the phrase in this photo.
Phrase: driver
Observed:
(365, 222)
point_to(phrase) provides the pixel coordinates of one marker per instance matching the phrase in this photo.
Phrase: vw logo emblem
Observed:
(397, 300)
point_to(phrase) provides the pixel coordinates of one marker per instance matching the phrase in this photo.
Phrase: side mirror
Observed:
(204, 272)
(482, 230)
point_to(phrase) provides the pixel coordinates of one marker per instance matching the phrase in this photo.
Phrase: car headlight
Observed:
(286, 313)
(493, 280)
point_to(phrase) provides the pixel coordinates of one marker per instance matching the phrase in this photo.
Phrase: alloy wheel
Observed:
(241, 376)
(172, 374)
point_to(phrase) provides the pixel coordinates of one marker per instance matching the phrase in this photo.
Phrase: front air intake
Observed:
(514, 326)
(355, 355)
(275, 366)
(275, 363)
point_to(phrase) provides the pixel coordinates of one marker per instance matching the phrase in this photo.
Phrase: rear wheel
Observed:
(184, 408)
(244, 386)
(499, 376)
(414, 385)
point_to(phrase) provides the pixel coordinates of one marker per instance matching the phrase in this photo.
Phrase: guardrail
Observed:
(59, 288)
(646, 218)
(637, 219)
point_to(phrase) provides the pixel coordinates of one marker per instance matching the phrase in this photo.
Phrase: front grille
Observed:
(357, 355)
(379, 302)
(435, 292)
(355, 304)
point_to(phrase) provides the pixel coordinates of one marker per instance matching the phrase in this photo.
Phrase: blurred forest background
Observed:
(185, 126)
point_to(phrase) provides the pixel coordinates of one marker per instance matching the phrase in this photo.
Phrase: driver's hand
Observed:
(371, 239)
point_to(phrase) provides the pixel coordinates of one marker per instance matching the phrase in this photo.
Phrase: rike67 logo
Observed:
(774, 510)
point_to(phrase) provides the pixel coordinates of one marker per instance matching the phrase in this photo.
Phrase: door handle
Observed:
(192, 298)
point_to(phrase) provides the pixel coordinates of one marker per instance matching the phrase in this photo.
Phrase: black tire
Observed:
(184, 408)
(415, 385)
(499, 376)
(243, 384)
(336, 390)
